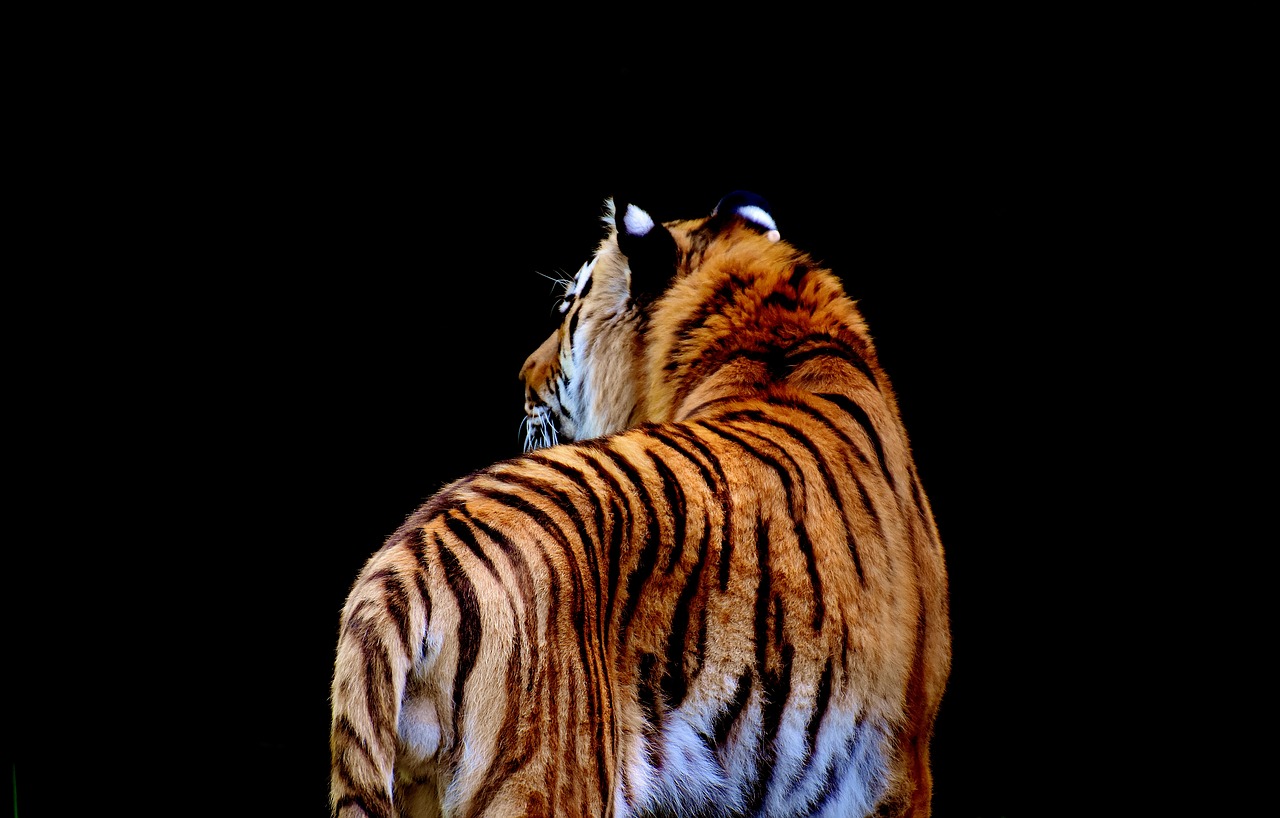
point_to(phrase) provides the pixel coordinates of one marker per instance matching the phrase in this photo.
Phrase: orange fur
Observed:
(723, 592)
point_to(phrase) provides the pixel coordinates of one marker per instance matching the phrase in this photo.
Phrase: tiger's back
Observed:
(723, 593)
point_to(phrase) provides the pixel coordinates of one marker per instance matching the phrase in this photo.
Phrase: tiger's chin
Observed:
(541, 430)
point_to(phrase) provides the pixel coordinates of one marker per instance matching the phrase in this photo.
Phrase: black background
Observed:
(284, 294)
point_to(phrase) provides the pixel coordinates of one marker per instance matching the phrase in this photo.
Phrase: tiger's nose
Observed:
(532, 403)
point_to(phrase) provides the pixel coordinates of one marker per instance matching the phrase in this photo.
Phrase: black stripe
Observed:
(668, 435)
(801, 531)
(531, 395)
(351, 740)
(562, 501)
(560, 384)
(798, 272)
(815, 580)
(845, 649)
(376, 806)
(815, 413)
(762, 594)
(705, 407)
(470, 631)
(421, 583)
(779, 298)
(837, 771)
(395, 601)
(676, 437)
(867, 504)
(723, 497)
(819, 604)
(467, 537)
(651, 708)
(522, 504)
(575, 311)
(398, 606)
(784, 473)
(778, 620)
(579, 478)
(754, 417)
(675, 685)
(378, 686)
(820, 705)
(821, 344)
(795, 358)
(675, 505)
(512, 758)
(550, 739)
(818, 457)
(917, 497)
(546, 523)
(620, 518)
(526, 588)
(726, 555)
(776, 692)
(590, 650)
(622, 527)
(604, 692)
(379, 689)
(714, 304)
(728, 717)
(648, 552)
(418, 538)
(860, 417)
(524, 579)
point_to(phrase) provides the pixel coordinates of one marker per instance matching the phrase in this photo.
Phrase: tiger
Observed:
(710, 584)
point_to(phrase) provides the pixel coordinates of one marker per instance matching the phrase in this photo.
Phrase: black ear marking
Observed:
(751, 208)
(650, 250)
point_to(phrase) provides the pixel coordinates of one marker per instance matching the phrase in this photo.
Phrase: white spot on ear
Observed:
(773, 235)
(636, 221)
(758, 215)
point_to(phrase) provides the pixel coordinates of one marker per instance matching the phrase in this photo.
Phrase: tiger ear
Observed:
(752, 208)
(650, 250)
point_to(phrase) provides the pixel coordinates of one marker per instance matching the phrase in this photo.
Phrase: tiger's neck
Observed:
(763, 319)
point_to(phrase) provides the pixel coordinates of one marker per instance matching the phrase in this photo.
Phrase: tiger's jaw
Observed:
(547, 421)
(540, 430)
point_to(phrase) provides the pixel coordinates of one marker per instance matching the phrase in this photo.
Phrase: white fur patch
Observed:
(584, 273)
(579, 283)
(636, 221)
(757, 215)
(419, 731)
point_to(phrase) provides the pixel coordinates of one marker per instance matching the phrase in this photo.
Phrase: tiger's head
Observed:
(592, 376)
